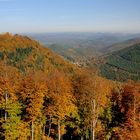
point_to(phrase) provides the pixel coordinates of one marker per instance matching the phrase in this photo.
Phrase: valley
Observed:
(114, 54)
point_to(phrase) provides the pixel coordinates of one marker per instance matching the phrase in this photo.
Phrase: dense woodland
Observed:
(43, 97)
(123, 64)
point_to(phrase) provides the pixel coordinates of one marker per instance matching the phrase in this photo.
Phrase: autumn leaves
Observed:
(40, 106)
(62, 101)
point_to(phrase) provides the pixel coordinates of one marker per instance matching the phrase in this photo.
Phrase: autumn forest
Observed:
(44, 97)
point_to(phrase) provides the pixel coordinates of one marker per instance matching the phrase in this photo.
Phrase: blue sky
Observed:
(69, 15)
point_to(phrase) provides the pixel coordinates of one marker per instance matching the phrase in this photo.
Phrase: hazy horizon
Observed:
(50, 16)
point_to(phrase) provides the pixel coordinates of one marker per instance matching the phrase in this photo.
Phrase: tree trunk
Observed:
(43, 130)
(59, 133)
(32, 130)
(93, 130)
(82, 138)
(50, 124)
(93, 133)
(94, 120)
(5, 106)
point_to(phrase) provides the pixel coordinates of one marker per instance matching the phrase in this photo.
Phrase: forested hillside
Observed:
(80, 47)
(44, 97)
(28, 55)
(123, 64)
(122, 45)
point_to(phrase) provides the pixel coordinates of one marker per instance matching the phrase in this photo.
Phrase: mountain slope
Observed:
(122, 45)
(77, 47)
(123, 64)
(27, 55)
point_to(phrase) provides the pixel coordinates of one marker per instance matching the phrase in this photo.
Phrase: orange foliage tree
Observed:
(60, 99)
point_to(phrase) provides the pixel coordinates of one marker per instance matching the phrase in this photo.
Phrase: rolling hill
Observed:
(26, 55)
(77, 47)
(119, 52)
(123, 64)
(121, 45)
